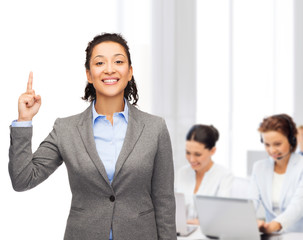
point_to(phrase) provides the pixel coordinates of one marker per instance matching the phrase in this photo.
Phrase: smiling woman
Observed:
(277, 182)
(202, 176)
(110, 69)
(118, 158)
(116, 61)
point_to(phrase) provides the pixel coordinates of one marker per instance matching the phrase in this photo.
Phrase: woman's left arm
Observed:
(163, 187)
(294, 211)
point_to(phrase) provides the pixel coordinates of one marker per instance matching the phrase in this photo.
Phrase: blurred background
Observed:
(229, 63)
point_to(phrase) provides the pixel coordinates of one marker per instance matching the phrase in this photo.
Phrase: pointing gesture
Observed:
(29, 103)
(30, 82)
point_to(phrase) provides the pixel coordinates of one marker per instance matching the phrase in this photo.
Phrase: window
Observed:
(245, 71)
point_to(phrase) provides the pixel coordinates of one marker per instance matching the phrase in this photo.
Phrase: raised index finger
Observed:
(30, 82)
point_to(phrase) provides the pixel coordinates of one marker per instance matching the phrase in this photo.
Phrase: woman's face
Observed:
(276, 145)
(198, 156)
(109, 70)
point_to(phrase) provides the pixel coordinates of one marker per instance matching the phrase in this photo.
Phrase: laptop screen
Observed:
(227, 217)
(182, 228)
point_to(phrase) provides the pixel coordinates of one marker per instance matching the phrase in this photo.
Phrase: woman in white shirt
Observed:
(277, 181)
(202, 176)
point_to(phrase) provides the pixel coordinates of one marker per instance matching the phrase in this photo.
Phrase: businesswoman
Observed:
(118, 158)
(277, 181)
(202, 176)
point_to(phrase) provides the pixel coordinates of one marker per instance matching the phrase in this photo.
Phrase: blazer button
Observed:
(112, 198)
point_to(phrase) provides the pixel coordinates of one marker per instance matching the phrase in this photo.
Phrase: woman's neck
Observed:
(281, 165)
(109, 106)
(200, 175)
(202, 171)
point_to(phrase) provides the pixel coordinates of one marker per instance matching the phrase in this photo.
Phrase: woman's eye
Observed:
(119, 61)
(99, 63)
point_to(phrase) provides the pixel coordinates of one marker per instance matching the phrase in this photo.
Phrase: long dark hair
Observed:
(207, 135)
(130, 92)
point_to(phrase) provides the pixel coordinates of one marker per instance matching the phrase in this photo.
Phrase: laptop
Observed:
(183, 229)
(227, 218)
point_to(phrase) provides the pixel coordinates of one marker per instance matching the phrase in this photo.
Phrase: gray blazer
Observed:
(139, 204)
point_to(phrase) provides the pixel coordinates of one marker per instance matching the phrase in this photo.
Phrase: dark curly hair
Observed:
(130, 92)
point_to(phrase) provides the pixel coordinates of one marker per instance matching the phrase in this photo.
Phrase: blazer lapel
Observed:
(133, 132)
(85, 129)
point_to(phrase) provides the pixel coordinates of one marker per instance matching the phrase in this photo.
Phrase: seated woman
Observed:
(202, 176)
(277, 181)
(300, 139)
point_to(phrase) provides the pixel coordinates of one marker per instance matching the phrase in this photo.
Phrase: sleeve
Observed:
(15, 123)
(294, 211)
(163, 187)
(254, 192)
(26, 169)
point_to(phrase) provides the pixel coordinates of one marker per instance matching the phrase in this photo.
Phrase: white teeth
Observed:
(110, 80)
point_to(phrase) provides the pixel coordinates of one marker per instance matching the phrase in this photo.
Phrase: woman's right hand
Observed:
(269, 227)
(194, 221)
(29, 103)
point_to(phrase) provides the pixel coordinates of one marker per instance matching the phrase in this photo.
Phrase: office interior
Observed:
(228, 63)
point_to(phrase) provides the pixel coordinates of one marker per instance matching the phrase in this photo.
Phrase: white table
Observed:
(197, 235)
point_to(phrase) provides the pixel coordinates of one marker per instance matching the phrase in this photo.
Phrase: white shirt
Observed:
(277, 183)
(217, 181)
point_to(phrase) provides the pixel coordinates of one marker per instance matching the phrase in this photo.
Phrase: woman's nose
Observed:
(109, 68)
(272, 150)
(191, 158)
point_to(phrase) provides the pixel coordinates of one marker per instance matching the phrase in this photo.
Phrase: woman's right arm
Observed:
(254, 192)
(265, 227)
(26, 169)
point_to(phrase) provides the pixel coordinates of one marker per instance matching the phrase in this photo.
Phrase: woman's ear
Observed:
(130, 73)
(88, 76)
(213, 150)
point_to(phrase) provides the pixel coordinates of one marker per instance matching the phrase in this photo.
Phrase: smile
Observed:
(194, 164)
(110, 81)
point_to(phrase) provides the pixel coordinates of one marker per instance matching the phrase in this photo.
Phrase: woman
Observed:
(119, 159)
(300, 139)
(277, 181)
(202, 176)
